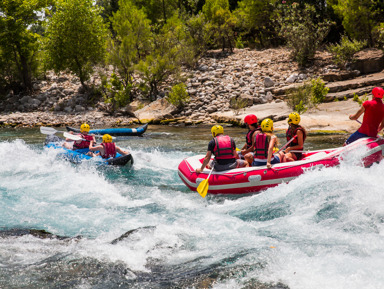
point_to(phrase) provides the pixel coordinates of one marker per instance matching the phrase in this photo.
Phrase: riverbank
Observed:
(327, 117)
(257, 77)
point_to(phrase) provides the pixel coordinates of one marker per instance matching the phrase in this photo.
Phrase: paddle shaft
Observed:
(284, 146)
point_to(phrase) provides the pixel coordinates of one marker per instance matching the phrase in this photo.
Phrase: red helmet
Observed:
(250, 119)
(378, 92)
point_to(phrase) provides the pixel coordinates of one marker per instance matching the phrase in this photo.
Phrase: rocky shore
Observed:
(258, 78)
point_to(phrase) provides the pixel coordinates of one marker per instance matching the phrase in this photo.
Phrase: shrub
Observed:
(343, 52)
(318, 90)
(302, 30)
(178, 95)
(358, 100)
(309, 95)
(238, 104)
(115, 92)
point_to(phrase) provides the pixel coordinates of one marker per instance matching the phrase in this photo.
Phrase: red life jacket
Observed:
(84, 144)
(224, 146)
(290, 133)
(109, 150)
(248, 138)
(261, 146)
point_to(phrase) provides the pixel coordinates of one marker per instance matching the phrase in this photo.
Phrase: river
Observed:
(322, 230)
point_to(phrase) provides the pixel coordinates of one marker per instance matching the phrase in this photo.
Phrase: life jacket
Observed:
(248, 137)
(84, 144)
(290, 133)
(261, 146)
(109, 150)
(224, 146)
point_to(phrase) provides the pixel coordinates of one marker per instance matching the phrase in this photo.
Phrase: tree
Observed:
(76, 37)
(221, 22)
(359, 17)
(255, 18)
(302, 30)
(168, 52)
(18, 43)
(130, 44)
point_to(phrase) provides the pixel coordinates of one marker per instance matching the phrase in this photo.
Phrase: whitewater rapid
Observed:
(321, 230)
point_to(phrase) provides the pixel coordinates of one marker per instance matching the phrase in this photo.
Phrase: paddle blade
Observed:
(202, 189)
(47, 130)
(72, 136)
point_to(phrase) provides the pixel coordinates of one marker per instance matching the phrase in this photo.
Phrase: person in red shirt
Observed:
(373, 120)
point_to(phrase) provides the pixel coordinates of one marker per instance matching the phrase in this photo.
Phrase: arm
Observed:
(357, 114)
(95, 148)
(300, 139)
(381, 126)
(270, 151)
(120, 151)
(205, 162)
(253, 144)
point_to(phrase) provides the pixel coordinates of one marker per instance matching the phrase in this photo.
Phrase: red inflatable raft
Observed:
(256, 179)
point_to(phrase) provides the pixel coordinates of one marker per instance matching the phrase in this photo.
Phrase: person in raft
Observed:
(223, 147)
(265, 144)
(293, 130)
(373, 120)
(81, 144)
(107, 149)
(251, 122)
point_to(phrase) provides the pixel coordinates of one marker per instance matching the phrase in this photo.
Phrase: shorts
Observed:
(263, 162)
(237, 164)
(355, 136)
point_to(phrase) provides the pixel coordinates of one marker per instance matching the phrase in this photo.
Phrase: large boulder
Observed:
(158, 109)
(369, 60)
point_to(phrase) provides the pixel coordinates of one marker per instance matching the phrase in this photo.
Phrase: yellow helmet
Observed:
(267, 125)
(84, 127)
(107, 138)
(217, 129)
(294, 118)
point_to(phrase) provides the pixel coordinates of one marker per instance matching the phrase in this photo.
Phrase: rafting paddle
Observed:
(51, 130)
(202, 189)
(284, 146)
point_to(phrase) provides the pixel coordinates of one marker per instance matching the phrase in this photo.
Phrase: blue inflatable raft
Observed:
(80, 155)
(124, 131)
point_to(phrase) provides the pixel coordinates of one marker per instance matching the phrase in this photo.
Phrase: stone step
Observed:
(374, 79)
(341, 95)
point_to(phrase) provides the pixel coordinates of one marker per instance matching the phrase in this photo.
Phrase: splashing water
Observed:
(321, 230)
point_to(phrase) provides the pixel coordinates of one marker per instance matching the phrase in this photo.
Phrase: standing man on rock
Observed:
(373, 120)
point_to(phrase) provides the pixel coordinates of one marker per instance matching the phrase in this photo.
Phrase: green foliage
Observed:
(256, 19)
(359, 17)
(309, 95)
(198, 33)
(115, 92)
(300, 108)
(239, 42)
(302, 30)
(18, 41)
(318, 90)
(178, 95)
(358, 100)
(343, 52)
(237, 104)
(221, 23)
(168, 52)
(131, 42)
(76, 38)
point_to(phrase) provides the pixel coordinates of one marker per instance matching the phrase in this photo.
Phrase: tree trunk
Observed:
(23, 68)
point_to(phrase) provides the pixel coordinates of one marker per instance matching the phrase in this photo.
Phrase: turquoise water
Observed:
(321, 230)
